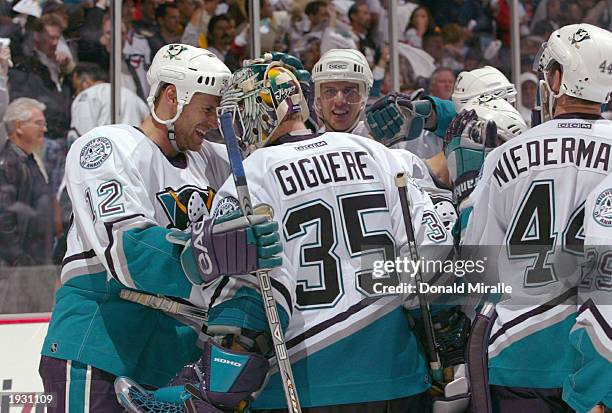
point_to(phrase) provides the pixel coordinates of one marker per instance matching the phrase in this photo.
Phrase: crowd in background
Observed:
(54, 62)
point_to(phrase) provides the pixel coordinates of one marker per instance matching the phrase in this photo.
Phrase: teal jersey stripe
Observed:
(77, 385)
(154, 263)
(530, 362)
(382, 361)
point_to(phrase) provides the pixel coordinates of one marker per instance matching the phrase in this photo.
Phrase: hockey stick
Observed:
(278, 338)
(401, 182)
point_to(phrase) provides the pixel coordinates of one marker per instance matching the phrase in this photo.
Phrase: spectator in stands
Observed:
(597, 13)
(89, 47)
(186, 10)
(466, 13)
(571, 13)
(442, 83)
(220, 35)
(91, 107)
(454, 47)
(147, 24)
(529, 87)
(26, 220)
(547, 10)
(421, 23)
(318, 15)
(44, 74)
(361, 21)
(273, 34)
(136, 57)
(167, 30)
(195, 32)
(433, 44)
(59, 10)
(311, 53)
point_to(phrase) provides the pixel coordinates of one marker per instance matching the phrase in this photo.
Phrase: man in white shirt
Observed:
(91, 107)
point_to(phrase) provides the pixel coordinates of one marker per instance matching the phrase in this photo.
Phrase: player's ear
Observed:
(170, 94)
(554, 79)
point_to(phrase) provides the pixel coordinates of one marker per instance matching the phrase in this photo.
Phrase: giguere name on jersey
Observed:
(312, 171)
(582, 152)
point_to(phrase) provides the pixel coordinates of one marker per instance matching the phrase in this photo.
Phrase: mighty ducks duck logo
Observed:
(580, 36)
(174, 50)
(185, 205)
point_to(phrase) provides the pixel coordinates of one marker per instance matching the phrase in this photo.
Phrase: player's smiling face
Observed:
(340, 104)
(199, 116)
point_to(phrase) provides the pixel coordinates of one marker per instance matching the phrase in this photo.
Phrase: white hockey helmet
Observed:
(485, 81)
(348, 65)
(509, 121)
(583, 51)
(190, 69)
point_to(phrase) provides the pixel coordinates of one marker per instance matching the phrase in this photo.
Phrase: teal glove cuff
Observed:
(445, 112)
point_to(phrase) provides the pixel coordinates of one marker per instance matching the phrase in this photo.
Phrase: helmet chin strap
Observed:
(168, 123)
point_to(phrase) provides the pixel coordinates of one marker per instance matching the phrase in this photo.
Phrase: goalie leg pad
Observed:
(224, 377)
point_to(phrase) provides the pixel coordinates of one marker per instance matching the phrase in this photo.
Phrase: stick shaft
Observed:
(401, 182)
(263, 276)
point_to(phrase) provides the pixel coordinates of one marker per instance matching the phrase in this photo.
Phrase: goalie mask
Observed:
(583, 52)
(261, 96)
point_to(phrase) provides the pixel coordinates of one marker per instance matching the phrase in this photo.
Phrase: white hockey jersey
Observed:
(126, 195)
(339, 211)
(410, 152)
(137, 52)
(91, 108)
(527, 215)
(591, 336)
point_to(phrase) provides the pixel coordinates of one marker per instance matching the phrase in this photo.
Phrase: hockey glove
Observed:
(220, 379)
(467, 142)
(229, 245)
(397, 117)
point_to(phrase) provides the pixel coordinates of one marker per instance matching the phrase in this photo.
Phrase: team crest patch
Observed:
(603, 208)
(578, 37)
(95, 152)
(185, 205)
(226, 205)
(174, 50)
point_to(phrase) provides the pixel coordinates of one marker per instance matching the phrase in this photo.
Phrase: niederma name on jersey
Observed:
(582, 152)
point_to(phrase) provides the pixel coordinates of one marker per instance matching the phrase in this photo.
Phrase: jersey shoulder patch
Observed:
(226, 206)
(95, 152)
(602, 212)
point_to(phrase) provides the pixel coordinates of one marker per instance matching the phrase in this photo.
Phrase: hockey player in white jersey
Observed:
(398, 121)
(339, 211)
(342, 79)
(486, 81)
(129, 191)
(527, 212)
(591, 335)
(351, 346)
(91, 106)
